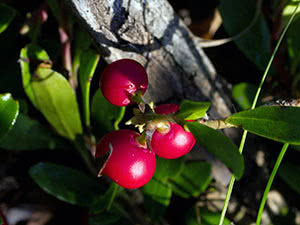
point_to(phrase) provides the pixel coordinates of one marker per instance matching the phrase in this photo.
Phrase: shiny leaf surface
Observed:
(278, 123)
(9, 109)
(220, 146)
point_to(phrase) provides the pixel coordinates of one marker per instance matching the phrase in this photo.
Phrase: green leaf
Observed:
(113, 217)
(157, 191)
(193, 180)
(288, 10)
(82, 43)
(31, 135)
(191, 110)
(290, 174)
(56, 100)
(157, 196)
(279, 123)
(293, 39)
(166, 168)
(88, 63)
(255, 44)
(206, 217)
(243, 94)
(67, 184)
(7, 14)
(220, 146)
(9, 109)
(106, 116)
(27, 54)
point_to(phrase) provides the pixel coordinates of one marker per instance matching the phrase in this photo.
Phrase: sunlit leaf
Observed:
(220, 146)
(7, 14)
(9, 109)
(30, 53)
(279, 123)
(192, 110)
(88, 63)
(288, 10)
(56, 100)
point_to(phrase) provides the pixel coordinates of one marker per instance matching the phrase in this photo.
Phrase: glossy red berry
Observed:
(121, 79)
(166, 109)
(131, 165)
(173, 142)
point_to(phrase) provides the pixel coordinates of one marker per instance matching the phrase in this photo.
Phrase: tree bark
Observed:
(151, 33)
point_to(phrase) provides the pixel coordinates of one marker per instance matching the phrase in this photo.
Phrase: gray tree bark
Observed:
(151, 33)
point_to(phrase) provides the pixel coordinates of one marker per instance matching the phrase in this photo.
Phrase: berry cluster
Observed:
(132, 161)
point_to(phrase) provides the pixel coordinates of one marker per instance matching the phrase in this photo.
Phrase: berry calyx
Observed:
(173, 143)
(123, 79)
(131, 165)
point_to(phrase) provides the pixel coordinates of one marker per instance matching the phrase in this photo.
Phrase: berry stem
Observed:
(216, 124)
(113, 195)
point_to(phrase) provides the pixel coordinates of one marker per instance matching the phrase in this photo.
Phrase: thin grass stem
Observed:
(243, 140)
(270, 181)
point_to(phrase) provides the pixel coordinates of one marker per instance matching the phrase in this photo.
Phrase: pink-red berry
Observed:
(172, 143)
(131, 165)
(122, 79)
(166, 109)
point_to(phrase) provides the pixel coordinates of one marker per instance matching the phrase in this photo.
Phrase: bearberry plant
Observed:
(98, 113)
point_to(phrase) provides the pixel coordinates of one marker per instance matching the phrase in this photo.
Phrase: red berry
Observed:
(131, 164)
(166, 109)
(121, 79)
(173, 143)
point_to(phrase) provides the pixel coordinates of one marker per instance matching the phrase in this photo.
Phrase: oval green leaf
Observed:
(31, 135)
(166, 168)
(7, 14)
(293, 40)
(9, 109)
(67, 184)
(31, 52)
(279, 123)
(243, 94)
(255, 44)
(194, 179)
(56, 100)
(192, 110)
(88, 63)
(220, 146)
(106, 116)
(157, 197)
(290, 174)
(288, 10)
